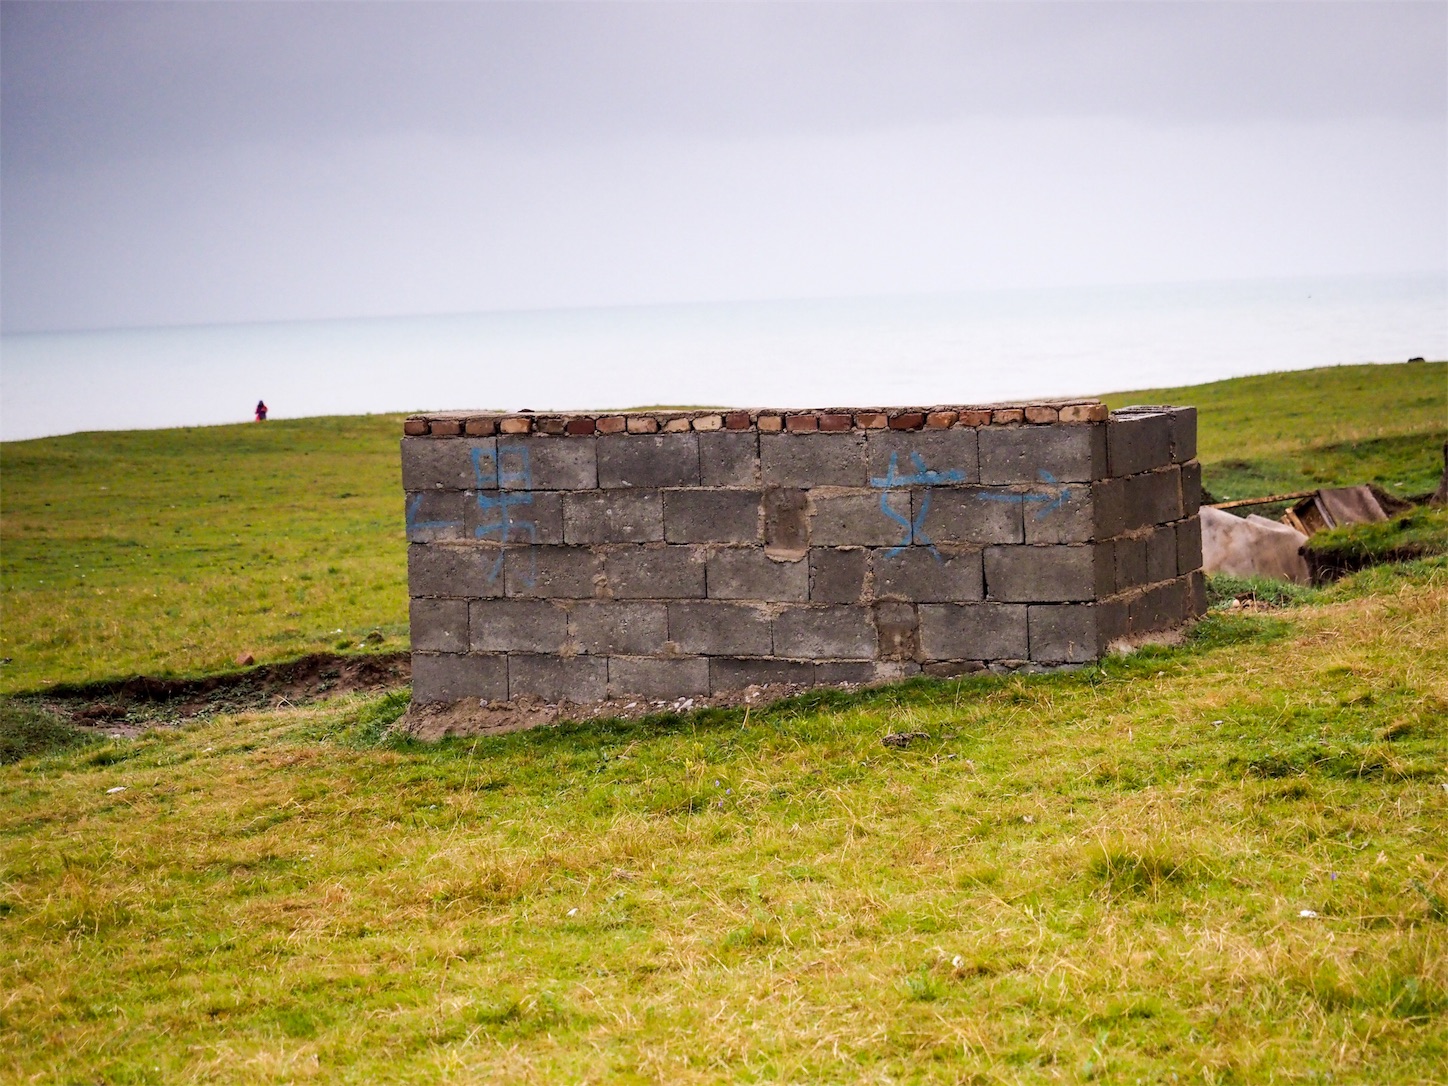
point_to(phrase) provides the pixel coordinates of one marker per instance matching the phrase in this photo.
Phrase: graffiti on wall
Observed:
(913, 528)
(922, 476)
(503, 485)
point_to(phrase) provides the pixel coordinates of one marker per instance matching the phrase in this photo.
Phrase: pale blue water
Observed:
(958, 348)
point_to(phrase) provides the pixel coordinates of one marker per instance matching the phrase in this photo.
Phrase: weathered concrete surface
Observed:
(667, 555)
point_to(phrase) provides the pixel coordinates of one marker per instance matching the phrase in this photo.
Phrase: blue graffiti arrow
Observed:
(1020, 499)
(414, 505)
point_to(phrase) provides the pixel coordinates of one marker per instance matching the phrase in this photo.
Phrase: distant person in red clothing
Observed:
(260, 410)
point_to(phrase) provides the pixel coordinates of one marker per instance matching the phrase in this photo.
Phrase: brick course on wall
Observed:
(666, 554)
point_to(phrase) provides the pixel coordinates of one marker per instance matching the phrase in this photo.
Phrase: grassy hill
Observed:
(1224, 862)
(173, 551)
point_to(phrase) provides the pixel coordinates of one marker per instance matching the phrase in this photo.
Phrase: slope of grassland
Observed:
(1221, 863)
(173, 551)
(1281, 432)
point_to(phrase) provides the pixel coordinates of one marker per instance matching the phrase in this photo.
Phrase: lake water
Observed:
(949, 348)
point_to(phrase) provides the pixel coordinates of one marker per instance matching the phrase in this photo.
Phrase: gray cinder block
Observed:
(735, 673)
(837, 575)
(613, 516)
(454, 677)
(1130, 562)
(729, 459)
(1055, 574)
(519, 518)
(1137, 501)
(810, 460)
(831, 632)
(1042, 454)
(972, 515)
(720, 629)
(1160, 607)
(553, 572)
(897, 631)
(945, 575)
(1183, 434)
(432, 516)
(654, 678)
(747, 573)
(1191, 488)
(577, 678)
(1161, 554)
(649, 460)
(1072, 633)
(1189, 545)
(858, 518)
(1196, 594)
(952, 456)
(712, 516)
(786, 523)
(517, 626)
(430, 463)
(547, 463)
(443, 569)
(1138, 439)
(973, 631)
(438, 625)
(606, 627)
(1059, 514)
(651, 571)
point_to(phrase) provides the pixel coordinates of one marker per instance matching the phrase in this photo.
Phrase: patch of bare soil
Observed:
(481, 717)
(123, 706)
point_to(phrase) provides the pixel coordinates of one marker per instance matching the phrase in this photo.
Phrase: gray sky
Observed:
(225, 162)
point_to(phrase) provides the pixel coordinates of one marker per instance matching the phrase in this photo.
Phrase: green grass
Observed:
(1283, 432)
(773, 896)
(174, 551)
(1419, 532)
(1094, 876)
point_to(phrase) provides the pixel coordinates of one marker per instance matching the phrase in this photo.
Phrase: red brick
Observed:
(446, 427)
(1004, 416)
(736, 420)
(1083, 412)
(941, 420)
(975, 417)
(771, 424)
(415, 427)
(580, 426)
(1040, 414)
(802, 424)
(515, 424)
(907, 420)
(872, 420)
(480, 427)
(549, 424)
(835, 423)
(611, 424)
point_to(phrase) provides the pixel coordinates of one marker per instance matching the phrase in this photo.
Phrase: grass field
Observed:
(1099, 876)
(1224, 862)
(174, 551)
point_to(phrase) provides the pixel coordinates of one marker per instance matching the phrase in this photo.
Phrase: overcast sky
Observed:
(221, 162)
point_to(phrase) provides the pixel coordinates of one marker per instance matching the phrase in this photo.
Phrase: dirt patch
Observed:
(482, 717)
(122, 706)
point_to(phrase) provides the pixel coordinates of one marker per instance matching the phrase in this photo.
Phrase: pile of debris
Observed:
(1254, 546)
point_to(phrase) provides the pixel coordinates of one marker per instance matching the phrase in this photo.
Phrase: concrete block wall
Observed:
(667, 554)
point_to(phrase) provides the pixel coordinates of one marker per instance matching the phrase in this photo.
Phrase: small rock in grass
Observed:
(901, 740)
(245, 659)
(117, 788)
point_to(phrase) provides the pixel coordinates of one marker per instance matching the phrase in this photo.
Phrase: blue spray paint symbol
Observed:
(914, 530)
(511, 467)
(1052, 503)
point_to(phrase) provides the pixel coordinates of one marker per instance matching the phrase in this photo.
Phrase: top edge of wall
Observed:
(765, 420)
